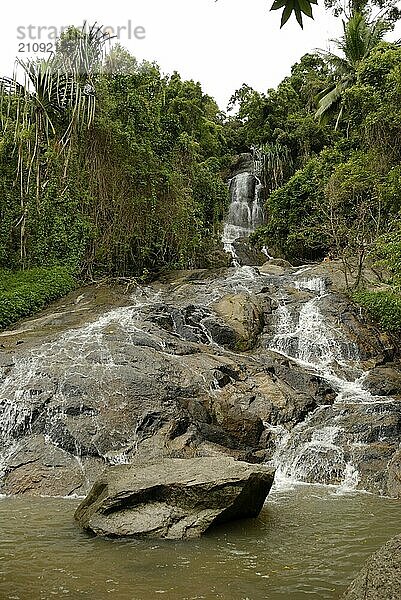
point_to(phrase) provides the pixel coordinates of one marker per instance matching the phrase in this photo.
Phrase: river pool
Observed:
(308, 542)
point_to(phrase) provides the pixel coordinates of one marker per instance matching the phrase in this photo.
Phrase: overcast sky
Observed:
(221, 44)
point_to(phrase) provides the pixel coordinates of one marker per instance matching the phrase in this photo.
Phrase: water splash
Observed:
(313, 284)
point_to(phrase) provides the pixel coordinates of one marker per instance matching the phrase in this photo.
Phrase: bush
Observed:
(294, 228)
(384, 307)
(24, 292)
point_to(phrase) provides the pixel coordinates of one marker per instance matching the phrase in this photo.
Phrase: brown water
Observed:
(307, 543)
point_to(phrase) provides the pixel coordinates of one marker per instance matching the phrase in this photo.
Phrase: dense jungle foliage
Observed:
(331, 139)
(106, 164)
(109, 167)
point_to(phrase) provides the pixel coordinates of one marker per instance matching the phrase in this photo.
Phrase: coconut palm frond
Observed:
(338, 64)
(329, 101)
(50, 108)
(359, 38)
(9, 85)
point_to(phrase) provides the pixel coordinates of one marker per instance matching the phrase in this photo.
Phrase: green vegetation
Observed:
(106, 164)
(382, 306)
(111, 168)
(24, 292)
(301, 8)
(330, 135)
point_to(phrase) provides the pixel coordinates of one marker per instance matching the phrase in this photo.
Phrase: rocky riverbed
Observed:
(269, 364)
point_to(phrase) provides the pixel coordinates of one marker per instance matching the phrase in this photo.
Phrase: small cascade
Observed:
(318, 459)
(257, 215)
(45, 390)
(318, 450)
(303, 335)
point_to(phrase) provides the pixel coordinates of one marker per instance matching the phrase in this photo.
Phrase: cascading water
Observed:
(318, 450)
(95, 391)
(56, 381)
(245, 212)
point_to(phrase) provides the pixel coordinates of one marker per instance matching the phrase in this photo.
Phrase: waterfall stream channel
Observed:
(268, 363)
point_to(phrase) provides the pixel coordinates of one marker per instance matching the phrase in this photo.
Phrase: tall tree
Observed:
(360, 37)
(54, 102)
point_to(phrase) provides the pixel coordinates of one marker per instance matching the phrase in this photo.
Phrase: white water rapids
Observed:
(314, 451)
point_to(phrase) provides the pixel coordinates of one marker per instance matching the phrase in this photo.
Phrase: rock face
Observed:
(248, 254)
(242, 163)
(174, 498)
(380, 578)
(270, 364)
(244, 314)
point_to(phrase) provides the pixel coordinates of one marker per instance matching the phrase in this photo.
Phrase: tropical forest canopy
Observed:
(111, 167)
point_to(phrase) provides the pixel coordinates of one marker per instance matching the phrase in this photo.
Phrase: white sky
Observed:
(222, 44)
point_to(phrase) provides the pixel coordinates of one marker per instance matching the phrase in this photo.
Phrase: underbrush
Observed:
(24, 292)
(384, 307)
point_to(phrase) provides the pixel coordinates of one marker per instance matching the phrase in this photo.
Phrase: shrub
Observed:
(384, 307)
(24, 292)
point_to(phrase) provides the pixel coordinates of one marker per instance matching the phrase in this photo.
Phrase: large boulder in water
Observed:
(174, 498)
(380, 578)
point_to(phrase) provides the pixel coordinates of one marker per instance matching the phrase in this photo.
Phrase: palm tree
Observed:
(49, 109)
(360, 37)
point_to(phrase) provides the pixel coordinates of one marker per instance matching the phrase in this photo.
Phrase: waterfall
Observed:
(245, 212)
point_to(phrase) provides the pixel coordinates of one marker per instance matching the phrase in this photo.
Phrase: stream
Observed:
(308, 542)
(270, 363)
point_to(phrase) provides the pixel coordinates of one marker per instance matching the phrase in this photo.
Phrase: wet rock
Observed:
(384, 381)
(242, 163)
(174, 499)
(394, 476)
(302, 380)
(216, 434)
(214, 259)
(372, 462)
(271, 398)
(281, 262)
(244, 427)
(221, 332)
(36, 468)
(380, 578)
(275, 266)
(242, 313)
(247, 254)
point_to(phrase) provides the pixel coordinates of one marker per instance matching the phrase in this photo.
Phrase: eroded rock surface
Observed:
(174, 498)
(270, 365)
(380, 578)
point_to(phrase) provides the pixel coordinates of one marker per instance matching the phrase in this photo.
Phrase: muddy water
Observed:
(307, 543)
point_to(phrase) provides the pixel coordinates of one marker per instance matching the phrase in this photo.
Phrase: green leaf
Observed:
(298, 16)
(277, 4)
(306, 8)
(289, 7)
